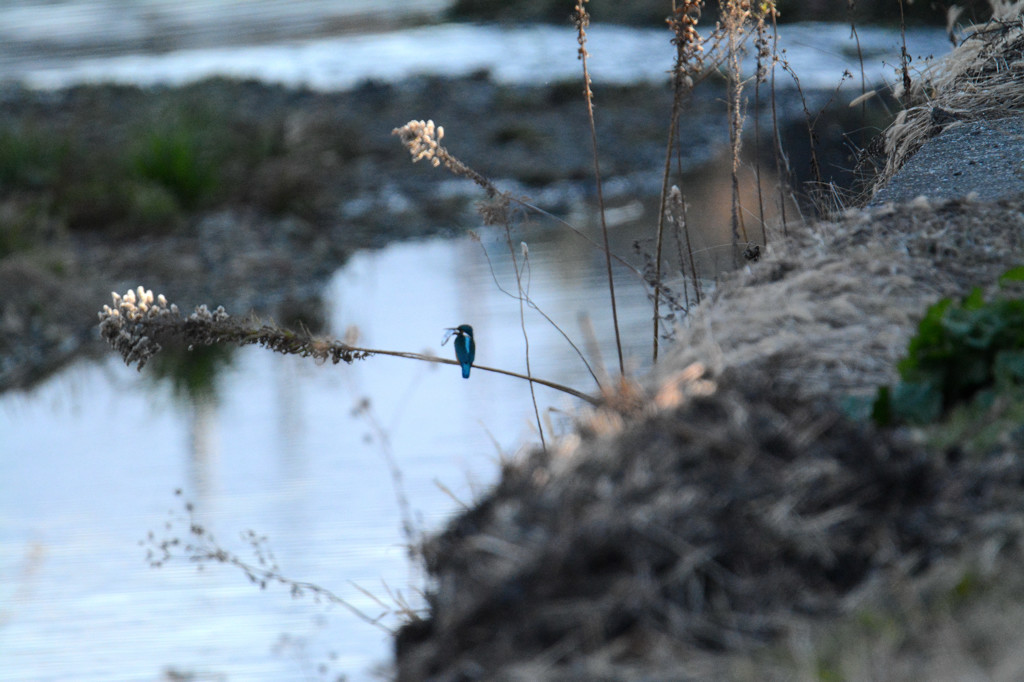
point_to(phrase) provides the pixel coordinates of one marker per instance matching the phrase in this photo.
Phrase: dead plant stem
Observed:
(734, 17)
(782, 180)
(904, 55)
(852, 7)
(683, 22)
(582, 21)
(365, 409)
(525, 295)
(522, 325)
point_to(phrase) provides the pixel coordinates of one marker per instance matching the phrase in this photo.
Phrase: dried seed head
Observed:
(422, 139)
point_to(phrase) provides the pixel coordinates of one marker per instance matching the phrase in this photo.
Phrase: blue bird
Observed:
(465, 347)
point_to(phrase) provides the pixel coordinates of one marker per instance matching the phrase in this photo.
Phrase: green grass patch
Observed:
(174, 159)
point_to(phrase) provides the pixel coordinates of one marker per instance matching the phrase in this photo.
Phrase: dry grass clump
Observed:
(647, 550)
(979, 79)
(830, 311)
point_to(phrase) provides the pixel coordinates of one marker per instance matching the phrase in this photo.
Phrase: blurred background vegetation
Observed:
(653, 12)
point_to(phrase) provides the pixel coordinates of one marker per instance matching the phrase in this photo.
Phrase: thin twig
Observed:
(365, 409)
(851, 6)
(582, 21)
(904, 55)
(522, 325)
(525, 295)
(735, 15)
(763, 55)
(782, 180)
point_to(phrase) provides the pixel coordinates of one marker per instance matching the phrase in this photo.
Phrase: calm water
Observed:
(89, 463)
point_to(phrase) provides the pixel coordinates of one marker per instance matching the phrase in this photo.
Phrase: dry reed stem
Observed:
(851, 6)
(677, 211)
(582, 19)
(413, 537)
(780, 157)
(765, 52)
(689, 63)
(735, 14)
(904, 56)
(522, 325)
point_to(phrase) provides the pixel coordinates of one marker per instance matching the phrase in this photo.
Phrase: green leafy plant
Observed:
(962, 352)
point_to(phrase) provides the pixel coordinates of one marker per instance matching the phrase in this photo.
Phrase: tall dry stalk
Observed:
(764, 58)
(677, 211)
(735, 14)
(904, 55)
(780, 156)
(582, 19)
(689, 63)
(522, 324)
(851, 6)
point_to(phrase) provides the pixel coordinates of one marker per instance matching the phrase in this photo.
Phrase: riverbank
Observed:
(730, 519)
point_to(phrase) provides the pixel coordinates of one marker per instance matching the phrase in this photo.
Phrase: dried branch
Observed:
(139, 325)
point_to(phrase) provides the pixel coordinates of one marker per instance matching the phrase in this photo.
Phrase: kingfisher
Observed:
(465, 347)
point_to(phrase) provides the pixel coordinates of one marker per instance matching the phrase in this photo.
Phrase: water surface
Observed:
(531, 54)
(90, 462)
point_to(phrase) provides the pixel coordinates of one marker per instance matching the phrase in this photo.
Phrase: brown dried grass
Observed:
(831, 310)
(979, 79)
